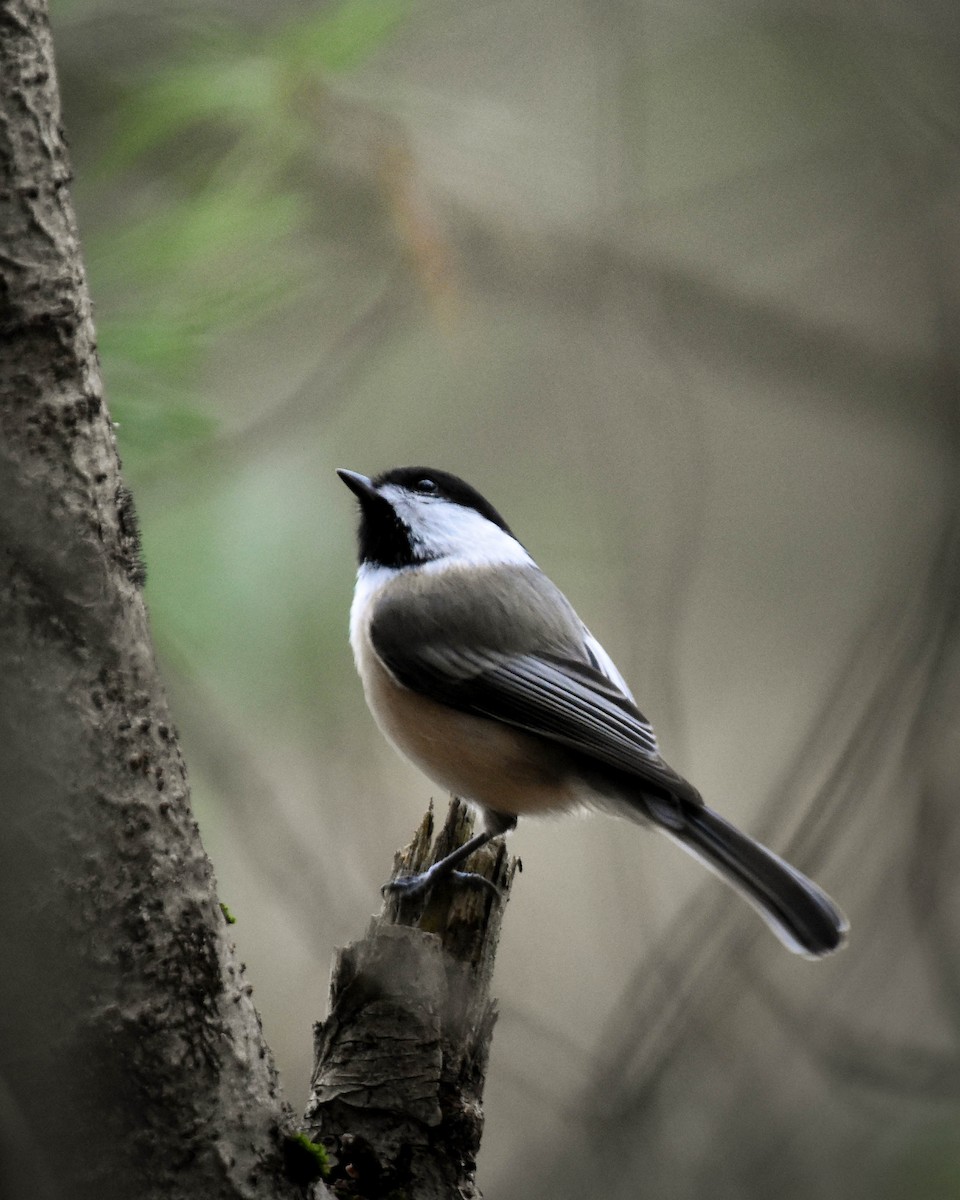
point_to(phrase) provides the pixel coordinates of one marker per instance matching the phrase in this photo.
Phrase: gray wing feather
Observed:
(557, 697)
(604, 663)
(535, 666)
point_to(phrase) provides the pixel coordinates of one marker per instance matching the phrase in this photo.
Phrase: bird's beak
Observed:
(360, 485)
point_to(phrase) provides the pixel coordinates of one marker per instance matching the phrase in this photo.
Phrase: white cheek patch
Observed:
(445, 531)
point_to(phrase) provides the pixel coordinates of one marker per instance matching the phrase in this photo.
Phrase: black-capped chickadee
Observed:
(476, 667)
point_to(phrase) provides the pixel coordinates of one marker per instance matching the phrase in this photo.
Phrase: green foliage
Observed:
(227, 914)
(236, 88)
(252, 85)
(208, 157)
(345, 37)
(192, 272)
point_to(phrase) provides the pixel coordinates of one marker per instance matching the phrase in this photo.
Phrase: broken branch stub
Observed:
(400, 1061)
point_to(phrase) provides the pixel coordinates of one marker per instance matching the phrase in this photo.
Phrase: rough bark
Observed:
(401, 1059)
(132, 1062)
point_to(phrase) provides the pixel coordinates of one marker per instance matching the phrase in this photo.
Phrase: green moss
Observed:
(305, 1161)
(227, 915)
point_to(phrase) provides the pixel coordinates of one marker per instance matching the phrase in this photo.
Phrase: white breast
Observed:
(495, 766)
(370, 579)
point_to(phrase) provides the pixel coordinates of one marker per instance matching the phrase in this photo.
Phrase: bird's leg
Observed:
(416, 885)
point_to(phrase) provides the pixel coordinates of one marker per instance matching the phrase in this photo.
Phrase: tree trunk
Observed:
(132, 1062)
(132, 1058)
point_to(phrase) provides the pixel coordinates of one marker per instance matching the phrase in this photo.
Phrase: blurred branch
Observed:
(712, 323)
(854, 1055)
(881, 690)
(729, 330)
(276, 847)
(325, 388)
(917, 137)
(931, 844)
(401, 1059)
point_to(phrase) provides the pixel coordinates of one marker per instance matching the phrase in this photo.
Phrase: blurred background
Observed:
(674, 284)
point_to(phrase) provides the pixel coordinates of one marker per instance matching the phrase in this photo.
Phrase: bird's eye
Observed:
(427, 487)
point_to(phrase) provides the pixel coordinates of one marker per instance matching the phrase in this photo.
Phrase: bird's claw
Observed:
(474, 879)
(409, 886)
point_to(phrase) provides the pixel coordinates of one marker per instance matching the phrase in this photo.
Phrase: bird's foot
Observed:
(410, 886)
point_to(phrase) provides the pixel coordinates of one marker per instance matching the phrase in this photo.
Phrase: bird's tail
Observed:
(802, 916)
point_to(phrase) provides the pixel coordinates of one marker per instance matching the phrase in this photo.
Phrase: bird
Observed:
(476, 667)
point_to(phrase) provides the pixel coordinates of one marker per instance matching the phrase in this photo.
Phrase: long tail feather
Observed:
(802, 916)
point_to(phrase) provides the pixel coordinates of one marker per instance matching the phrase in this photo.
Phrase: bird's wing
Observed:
(550, 694)
(605, 664)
